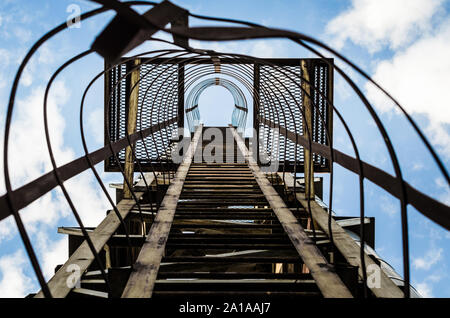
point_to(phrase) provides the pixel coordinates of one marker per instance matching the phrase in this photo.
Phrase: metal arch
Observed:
(239, 116)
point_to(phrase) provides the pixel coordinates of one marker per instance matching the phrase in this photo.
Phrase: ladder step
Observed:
(224, 177)
(221, 186)
(94, 284)
(220, 182)
(236, 202)
(233, 259)
(220, 191)
(209, 211)
(224, 210)
(238, 240)
(86, 293)
(238, 236)
(227, 226)
(214, 174)
(219, 164)
(226, 217)
(221, 196)
(220, 171)
(260, 281)
(239, 293)
(230, 275)
(249, 286)
(229, 246)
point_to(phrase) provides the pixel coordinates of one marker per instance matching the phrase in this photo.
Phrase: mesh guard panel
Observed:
(157, 102)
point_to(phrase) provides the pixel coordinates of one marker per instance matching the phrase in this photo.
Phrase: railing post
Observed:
(131, 129)
(307, 107)
(256, 108)
(181, 95)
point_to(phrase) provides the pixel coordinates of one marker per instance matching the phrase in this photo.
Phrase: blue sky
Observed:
(406, 50)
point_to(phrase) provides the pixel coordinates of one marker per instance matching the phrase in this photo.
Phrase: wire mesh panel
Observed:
(322, 112)
(157, 105)
(281, 102)
(279, 98)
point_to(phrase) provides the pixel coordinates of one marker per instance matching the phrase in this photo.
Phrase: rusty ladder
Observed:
(229, 233)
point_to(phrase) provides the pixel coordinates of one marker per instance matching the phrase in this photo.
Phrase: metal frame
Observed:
(321, 164)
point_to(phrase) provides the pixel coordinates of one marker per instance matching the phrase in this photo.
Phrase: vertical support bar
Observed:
(107, 256)
(106, 112)
(131, 129)
(307, 107)
(182, 21)
(256, 107)
(330, 96)
(181, 95)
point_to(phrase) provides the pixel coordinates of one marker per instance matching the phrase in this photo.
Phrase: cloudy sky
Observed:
(403, 44)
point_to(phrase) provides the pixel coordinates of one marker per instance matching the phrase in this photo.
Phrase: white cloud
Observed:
(417, 74)
(28, 151)
(53, 253)
(46, 210)
(439, 134)
(5, 59)
(257, 48)
(7, 228)
(436, 277)
(263, 48)
(424, 289)
(429, 259)
(28, 160)
(445, 195)
(417, 166)
(89, 201)
(418, 78)
(14, 282)
(45, 55)
(375, 23)
(95, 122)
(389, 206)
(23, 34)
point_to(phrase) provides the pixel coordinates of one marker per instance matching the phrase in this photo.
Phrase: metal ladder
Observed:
(226, 239)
